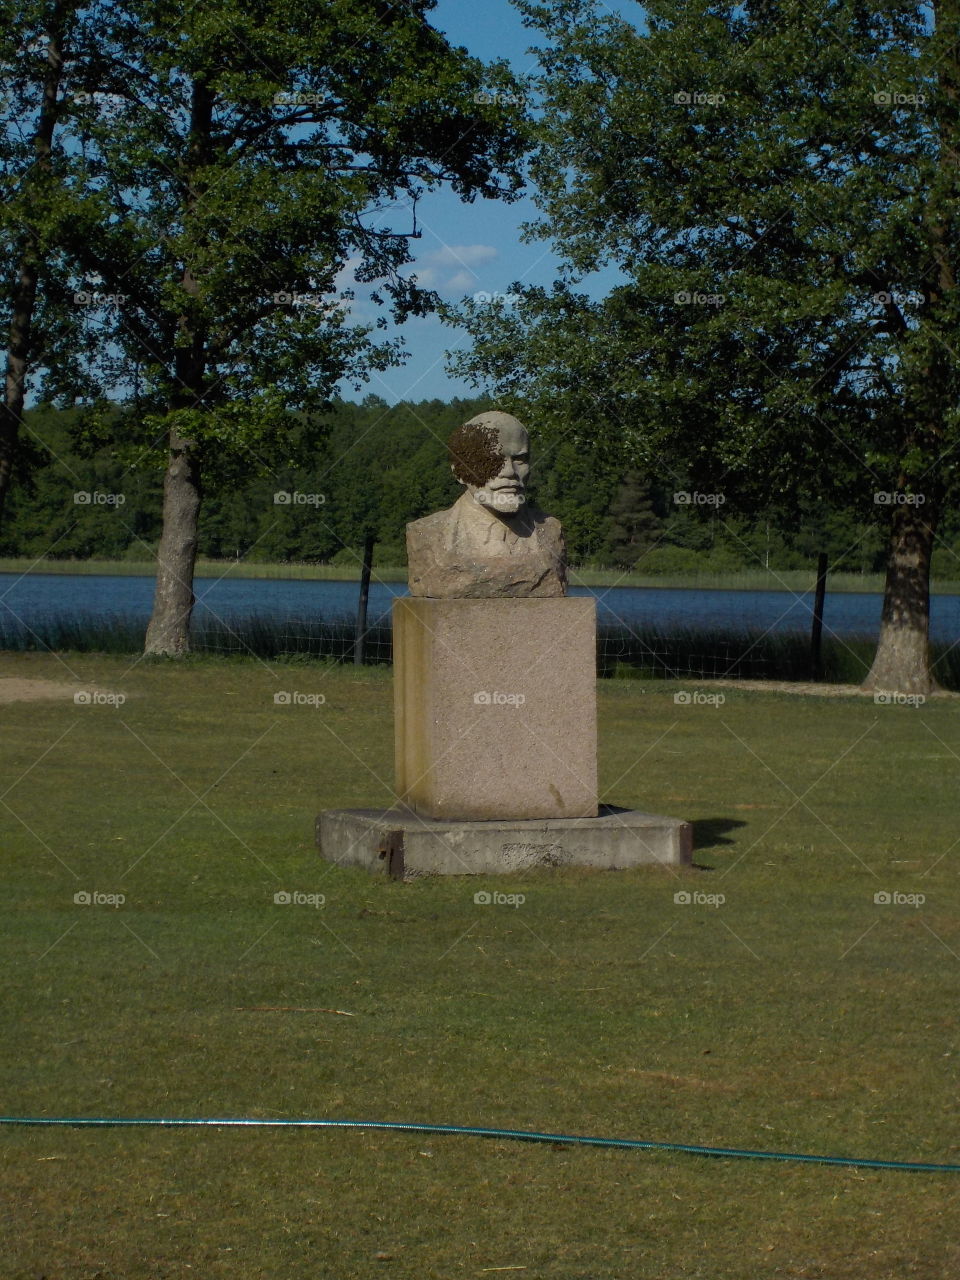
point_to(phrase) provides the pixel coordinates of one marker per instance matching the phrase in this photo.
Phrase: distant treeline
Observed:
(379, 467)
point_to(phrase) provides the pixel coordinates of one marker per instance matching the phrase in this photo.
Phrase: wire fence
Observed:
(620, 650)
(681, 654)
(623, 651)
(332, 639)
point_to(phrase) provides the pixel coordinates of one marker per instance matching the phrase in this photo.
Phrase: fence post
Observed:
(362, 606)
(816, 632)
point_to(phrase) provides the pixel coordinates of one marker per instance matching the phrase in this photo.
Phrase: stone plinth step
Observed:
(404, 844)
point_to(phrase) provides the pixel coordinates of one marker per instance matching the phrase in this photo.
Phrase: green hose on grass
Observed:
(519, 1135)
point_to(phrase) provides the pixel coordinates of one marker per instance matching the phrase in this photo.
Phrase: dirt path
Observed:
(14, 689)
(799, 686)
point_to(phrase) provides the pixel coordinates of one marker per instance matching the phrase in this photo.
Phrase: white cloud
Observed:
(462, 255)
(450, 269)
(462, 281)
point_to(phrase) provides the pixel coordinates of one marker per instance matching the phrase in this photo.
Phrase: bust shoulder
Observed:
(436, 520)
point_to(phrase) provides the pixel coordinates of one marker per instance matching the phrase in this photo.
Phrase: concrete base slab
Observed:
(402, 843)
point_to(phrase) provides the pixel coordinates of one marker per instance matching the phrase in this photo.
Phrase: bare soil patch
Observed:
(808, 687)
(15, 689)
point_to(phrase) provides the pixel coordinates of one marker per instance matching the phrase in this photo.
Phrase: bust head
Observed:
(490, 454)
(492, 541)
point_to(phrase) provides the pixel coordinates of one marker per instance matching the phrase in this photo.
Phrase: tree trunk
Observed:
(173, 600)
(902, 661)
(20, 333)
(11, 412)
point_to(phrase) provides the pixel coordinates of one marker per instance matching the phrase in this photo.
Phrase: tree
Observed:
(576, 484)
(44, 210)
(249, 152)
(778, 183)
(83, 505)
(633, 524)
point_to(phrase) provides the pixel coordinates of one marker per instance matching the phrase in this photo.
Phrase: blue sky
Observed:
(465, 248)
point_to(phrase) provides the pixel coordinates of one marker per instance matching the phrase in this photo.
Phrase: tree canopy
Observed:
(379, 466)
(777, 183)
(247, 163)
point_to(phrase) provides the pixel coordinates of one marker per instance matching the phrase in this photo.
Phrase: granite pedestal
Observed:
(496, 750)
(495, 707)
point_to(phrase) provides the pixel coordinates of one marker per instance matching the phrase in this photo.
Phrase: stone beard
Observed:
(491, 542)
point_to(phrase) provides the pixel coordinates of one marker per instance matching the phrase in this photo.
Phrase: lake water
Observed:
(32, 597)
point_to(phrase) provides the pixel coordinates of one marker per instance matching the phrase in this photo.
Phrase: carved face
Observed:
(504, 467)
(506, 491)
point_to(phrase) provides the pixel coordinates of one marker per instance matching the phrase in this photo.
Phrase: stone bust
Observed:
(492, 541)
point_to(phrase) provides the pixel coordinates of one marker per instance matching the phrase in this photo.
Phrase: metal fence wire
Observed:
(621, 649)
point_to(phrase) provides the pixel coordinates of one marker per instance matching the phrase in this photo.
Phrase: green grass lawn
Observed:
(798, 1015)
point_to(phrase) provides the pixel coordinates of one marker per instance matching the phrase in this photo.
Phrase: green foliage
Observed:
(379, 467)
(575, 481)
(218, 182)
(246, 156)
(48, 209)
(76, 505)
(633, 527)
(785, 321)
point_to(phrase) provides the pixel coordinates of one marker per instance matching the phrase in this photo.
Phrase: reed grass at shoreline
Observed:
(799, 580)
(640, 652)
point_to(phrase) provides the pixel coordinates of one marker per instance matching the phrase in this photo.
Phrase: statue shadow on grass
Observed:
(708, 833)
(711, 833)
